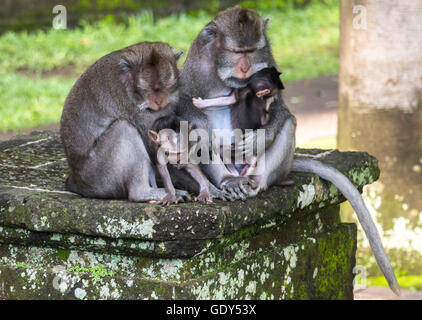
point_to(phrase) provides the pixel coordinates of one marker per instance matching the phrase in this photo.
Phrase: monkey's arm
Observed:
(216, 171)
(279, 114)
(216, 102)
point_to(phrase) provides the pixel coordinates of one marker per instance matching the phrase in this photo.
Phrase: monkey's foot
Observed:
(236, 186)
(169, 199)
(180, 196)
(183, 195)
(220, 194)
(204, 197)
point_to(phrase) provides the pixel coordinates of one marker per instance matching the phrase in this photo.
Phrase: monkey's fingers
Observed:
(169, 199)
(198, 102)
(204, 197)
(239, 192)
(233, 194)
(246, 145)
(262, 93)
(184, 195)
(226, 195)
(234, 185)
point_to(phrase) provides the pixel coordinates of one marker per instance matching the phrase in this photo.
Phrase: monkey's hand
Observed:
(237, 186)
(204, 197)
(180, 196)
(169, 199)
(220, 194)
(262, 93)
(247, 147)
(198, 102)
(183, 195)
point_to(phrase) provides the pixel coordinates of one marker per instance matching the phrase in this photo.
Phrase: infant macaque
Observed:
(249, 106)
(170, 144)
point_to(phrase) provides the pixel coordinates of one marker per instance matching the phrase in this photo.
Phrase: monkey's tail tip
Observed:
(395, 287)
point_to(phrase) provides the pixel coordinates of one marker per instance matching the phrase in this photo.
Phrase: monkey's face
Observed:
(169, 145)
(240, 40)
(151, 76)
(158, 85)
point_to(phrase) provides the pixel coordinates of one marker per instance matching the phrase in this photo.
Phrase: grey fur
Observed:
(105, 121)
(352, 194)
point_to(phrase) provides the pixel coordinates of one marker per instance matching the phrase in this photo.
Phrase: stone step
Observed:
(288, 242)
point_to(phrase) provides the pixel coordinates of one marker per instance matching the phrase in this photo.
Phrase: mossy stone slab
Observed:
(35, 208)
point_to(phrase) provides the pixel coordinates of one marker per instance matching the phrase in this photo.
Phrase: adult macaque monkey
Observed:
(106, 118)
(223, 56)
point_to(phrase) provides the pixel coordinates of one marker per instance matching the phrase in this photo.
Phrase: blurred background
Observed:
(373, 47)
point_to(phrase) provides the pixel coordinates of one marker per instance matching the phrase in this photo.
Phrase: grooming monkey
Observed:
(106, 117)
(227, 51)
(170, 144)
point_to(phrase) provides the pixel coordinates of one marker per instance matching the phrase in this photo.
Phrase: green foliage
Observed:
(304, 43)
(22, 265)
(97, 272)
(28, 102)
(63, 254)
(410, 282)
(283, 4)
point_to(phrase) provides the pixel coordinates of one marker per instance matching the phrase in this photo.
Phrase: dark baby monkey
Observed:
(249, 105)
(106, 117)
(168, 143)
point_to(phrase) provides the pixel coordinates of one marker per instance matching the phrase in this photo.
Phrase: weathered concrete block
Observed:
(287, 243)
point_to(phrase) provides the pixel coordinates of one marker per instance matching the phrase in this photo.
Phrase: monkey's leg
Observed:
(216, 172)
(184, 180)
(278, 158)
(170, 197)
(204, 192)
(119, 166)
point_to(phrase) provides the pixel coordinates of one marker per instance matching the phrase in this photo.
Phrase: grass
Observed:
(304, 43)
(410, 282)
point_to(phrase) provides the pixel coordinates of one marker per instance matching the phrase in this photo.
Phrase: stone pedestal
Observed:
(287, 243)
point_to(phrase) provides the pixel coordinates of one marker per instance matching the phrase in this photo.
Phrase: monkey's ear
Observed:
(178, 54)
(265, 23)
(125, 65)
(209, 33)
(281, 86)
(154, 136)
(190, 127)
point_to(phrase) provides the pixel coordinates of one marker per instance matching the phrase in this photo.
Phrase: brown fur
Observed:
(102, 125)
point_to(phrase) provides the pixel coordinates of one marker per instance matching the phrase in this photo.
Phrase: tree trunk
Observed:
(380, 111)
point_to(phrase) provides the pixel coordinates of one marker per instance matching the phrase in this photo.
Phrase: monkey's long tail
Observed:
(352, 194)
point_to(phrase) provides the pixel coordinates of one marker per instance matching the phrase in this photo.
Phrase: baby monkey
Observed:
(249, 106)
(168, 141)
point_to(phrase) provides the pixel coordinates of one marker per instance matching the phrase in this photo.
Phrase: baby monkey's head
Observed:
(266, 83)
(169, 138)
